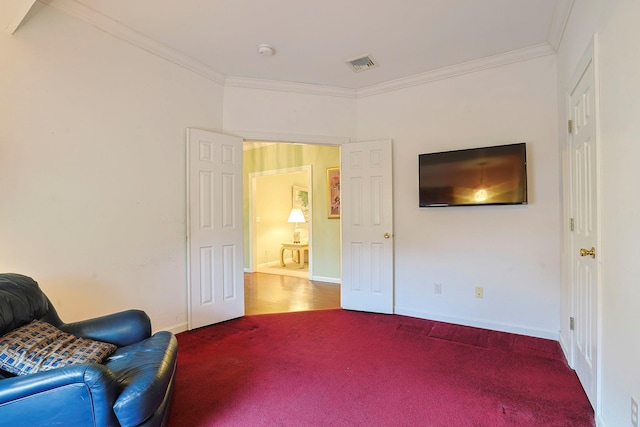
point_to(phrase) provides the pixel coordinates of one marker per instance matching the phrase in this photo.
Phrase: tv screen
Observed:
(478, 176)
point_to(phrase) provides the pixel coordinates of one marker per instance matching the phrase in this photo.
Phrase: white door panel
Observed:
(584, 263)
(215, 227)
(367, 226)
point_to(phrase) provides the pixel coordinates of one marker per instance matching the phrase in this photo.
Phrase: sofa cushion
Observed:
(39, 346)
(144, 371)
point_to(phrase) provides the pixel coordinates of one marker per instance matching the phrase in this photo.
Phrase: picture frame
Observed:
(333, 192)
(300, 199)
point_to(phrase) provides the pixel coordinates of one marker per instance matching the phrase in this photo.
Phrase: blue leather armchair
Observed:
(133, 387)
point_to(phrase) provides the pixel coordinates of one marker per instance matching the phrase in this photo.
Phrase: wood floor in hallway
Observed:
(273, 293)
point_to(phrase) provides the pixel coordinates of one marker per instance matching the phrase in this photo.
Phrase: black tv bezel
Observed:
(525, 184)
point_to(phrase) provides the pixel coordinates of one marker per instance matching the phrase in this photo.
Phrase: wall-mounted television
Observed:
(478, 176)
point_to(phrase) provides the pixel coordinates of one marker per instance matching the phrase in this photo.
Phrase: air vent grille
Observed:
(362, 63)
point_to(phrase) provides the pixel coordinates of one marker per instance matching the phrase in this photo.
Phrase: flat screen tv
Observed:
(477, 176)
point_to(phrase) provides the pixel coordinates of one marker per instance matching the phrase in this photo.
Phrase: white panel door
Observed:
(215, 226)
(367, 226)
(584, 244)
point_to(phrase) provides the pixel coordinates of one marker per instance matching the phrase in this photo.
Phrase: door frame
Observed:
(589, 58)
(279, 137)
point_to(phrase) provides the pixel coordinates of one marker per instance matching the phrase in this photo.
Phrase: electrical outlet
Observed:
(634, 412)
(479, 292)
(437, 288)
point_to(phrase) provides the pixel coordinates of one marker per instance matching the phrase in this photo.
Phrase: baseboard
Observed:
(276, 263)
(335, 280)
(176, 329)
(477, 323)
(503, 327)
(565, 349)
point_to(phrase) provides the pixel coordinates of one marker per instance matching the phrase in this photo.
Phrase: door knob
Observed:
(587, 252)
(387, 235)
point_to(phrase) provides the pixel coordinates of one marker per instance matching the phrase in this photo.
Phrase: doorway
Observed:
(275, 173)
(218, 162)
(280, 161)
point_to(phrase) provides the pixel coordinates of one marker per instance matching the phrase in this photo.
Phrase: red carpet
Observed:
(343, 368)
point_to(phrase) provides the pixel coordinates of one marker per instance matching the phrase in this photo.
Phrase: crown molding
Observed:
(15, 13)
(519, 55)
(559, 23)
(129, 35)
(311, 89)
(71, 7)
(494, 61)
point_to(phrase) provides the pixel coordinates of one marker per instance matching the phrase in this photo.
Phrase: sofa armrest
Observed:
(124, 328)
(30, 399)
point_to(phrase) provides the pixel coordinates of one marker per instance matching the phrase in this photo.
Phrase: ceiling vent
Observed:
(362, 63)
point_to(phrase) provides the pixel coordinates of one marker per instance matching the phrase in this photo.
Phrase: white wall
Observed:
(92, 167)
(616, 22)
(511, 251)
(276, 112)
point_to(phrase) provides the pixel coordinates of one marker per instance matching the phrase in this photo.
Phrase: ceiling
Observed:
(313, 39)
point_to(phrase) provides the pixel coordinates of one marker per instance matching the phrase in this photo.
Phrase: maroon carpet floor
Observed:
(344, 368)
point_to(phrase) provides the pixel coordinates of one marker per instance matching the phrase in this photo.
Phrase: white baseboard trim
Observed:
(335, 280)
(477, 323)
(176, 329)
(565, 349)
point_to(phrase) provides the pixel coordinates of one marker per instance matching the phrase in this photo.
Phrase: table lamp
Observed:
(296, 216)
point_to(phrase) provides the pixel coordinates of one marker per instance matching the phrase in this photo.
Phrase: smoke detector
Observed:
(362, 63)
(266, 50)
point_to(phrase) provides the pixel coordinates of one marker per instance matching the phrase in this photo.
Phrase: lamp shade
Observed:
(296, 215)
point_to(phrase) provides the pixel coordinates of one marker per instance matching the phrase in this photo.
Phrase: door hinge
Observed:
(572, 224)
(570, 126)
(572, 324)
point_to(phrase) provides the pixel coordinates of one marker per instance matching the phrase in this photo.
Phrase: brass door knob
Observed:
(387, 235)
(588, 252)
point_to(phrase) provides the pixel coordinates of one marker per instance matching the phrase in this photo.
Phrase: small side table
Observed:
(302, 248)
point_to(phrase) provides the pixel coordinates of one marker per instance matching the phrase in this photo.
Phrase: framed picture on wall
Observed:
(300, 199)
(333, 191)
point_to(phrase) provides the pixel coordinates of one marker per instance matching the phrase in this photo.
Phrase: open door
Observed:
(215, 228)
(367, 226)
(584, 256)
